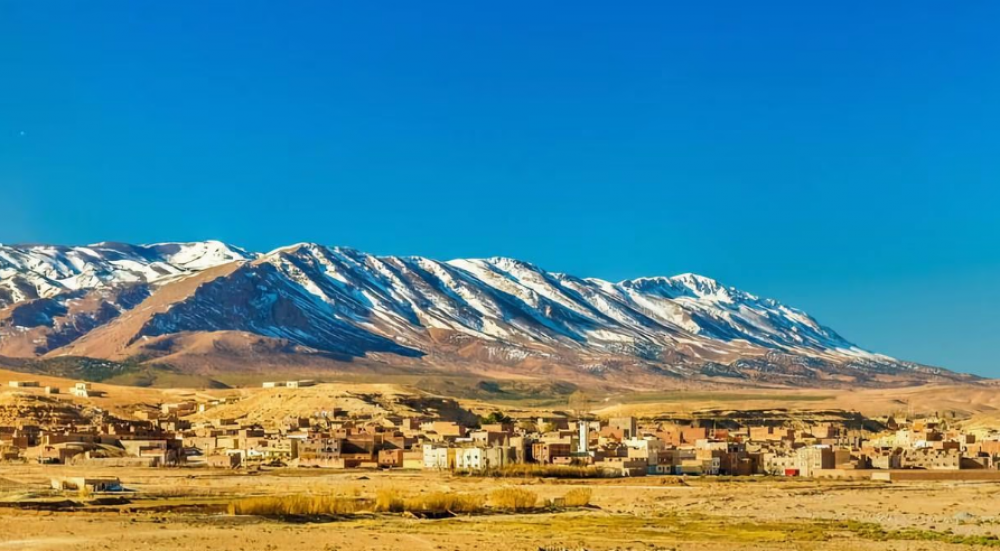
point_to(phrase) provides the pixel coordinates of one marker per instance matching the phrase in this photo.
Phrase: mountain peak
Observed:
(507, 263)
(514, 308)
(53, 269)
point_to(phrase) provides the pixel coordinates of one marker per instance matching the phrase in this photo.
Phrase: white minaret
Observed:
(583, 446)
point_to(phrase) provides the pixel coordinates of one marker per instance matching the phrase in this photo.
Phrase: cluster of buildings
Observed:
(621, 446)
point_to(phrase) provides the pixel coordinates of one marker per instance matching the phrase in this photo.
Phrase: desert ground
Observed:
(186, 508)
(973, 405)
(191, 508)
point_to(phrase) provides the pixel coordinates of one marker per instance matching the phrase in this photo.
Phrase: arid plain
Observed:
(187, 509)
(193, 507)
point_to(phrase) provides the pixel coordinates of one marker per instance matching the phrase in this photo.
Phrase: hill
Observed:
(210, 309)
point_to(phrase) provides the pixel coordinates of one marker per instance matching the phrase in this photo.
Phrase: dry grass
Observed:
(530, 470)
(297, 505)
(771, 513)
(180, 490)
(513, 499)
(391, 501)
(579, 497)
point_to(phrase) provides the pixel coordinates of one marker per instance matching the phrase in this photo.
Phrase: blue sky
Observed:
(841, 158)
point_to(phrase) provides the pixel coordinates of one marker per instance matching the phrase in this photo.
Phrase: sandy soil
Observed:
(926, 399)
(976, 405)
(184, 509)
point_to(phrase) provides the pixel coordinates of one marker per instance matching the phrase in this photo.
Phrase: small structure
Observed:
(23, 384)
(52, 390)
(390, 459)
(273, 384)
(299, 384)
(85, 484)
(179, 409)
(83, 390)
(228, 461)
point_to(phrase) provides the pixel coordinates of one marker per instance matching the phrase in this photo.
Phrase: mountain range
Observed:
(209, 307)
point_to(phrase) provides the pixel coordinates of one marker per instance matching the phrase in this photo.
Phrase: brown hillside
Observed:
(114, 340)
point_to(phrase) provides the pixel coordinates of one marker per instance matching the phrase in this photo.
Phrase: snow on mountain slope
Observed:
(35, 327)
(343, 301)
(42, 271)
(258, 299)
(506, 299)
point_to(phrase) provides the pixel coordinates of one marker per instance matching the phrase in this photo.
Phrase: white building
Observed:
(470, 458)
(437, 457)
(645, 448)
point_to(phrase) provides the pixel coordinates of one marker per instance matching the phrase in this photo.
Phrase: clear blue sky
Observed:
(843, 158)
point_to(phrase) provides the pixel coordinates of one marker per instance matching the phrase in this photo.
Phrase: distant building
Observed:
(84, 390)
(547, 452)
(390, 459)
(480, 458)
(80, 483)
(627, 425)
(813, 458)
(438, 457)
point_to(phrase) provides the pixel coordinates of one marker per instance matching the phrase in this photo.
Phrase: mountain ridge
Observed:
(496, 315)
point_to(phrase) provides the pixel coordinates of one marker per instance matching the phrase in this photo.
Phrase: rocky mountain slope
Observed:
(210, 306)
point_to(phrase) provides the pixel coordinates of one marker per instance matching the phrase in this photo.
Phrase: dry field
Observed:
(187, 509)
(193, 508)
(974, 405)
(978, 402)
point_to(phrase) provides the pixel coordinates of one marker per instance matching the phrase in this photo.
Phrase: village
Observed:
(581, 444)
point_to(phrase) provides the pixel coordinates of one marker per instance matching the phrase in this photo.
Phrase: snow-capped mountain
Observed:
(509, 300)
(43, 271)
(119, 301)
